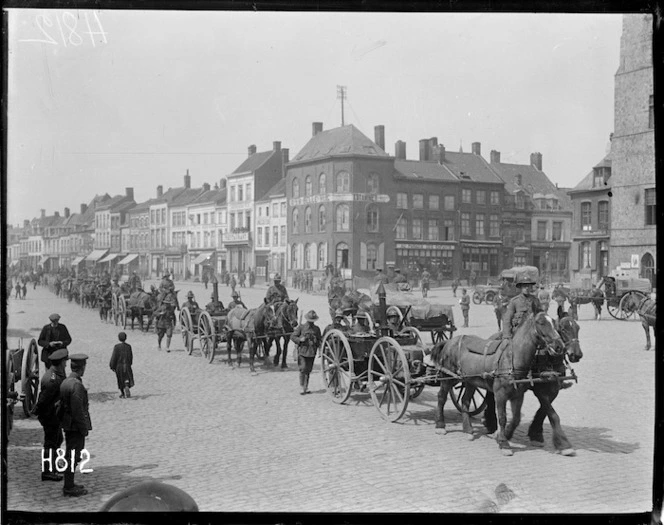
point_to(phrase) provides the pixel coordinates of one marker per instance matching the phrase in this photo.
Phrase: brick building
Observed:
(271, 238)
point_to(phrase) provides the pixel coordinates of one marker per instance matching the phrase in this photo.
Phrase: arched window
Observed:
(372, 218)
(372, 183)
(343, 255)
(307, 186)
(321, 218)
(307, 220)
(322, 188)
(296, 188)
(296, 221)
(343, 182)
(293, 259)
(648, 267)
(343, 218)
(322, 255)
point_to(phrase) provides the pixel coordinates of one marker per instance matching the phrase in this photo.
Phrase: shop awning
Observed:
(13, 263)
(110, 257)
(129, 258)
(96, 255)
(202, 257)
(77, 261)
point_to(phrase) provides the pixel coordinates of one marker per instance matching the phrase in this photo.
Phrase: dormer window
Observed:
(518, 180)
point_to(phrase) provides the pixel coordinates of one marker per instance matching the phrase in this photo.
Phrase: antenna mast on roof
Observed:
(341, 93)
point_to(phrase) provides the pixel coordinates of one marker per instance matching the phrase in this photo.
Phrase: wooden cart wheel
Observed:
(389, 378)
(629, 303)
(122, 311)
(207, 335)
(411, 331)
(11, 393)
(489, 296)
(336, 364)
(477, 403)
(416, 389)
(187, 328)
(30, 377)
(477, 298)
(614, 309)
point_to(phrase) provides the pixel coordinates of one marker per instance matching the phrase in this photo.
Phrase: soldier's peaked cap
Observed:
(59, 355)
(78, 357)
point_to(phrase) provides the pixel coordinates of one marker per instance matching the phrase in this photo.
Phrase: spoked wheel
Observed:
(477, 403)
(11, 392)
(477, 298)
(122, 311)
(615, 311)
(207, 335)
(489, 297)
(389, 378)
(337, 365)
(30, 377)
(629, 303)
(187, 327)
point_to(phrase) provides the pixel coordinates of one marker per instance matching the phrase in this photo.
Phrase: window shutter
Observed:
(380, 258)
(363, 256)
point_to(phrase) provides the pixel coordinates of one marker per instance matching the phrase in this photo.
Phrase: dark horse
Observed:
(105, 302)
(248, 325)
(646, 309)
(465, 358)
(141, 304)
(285, 323)
(553, 366)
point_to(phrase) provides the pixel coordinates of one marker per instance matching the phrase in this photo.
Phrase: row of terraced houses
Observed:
(344, 200)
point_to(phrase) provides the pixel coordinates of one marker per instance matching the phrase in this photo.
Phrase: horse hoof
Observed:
(506, 452)
(470, 437)
(568, 452)
(441, 431)
(536, 443)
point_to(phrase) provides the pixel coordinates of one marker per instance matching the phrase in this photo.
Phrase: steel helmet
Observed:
(235, 294)
(393, 311)
(338, 313)
(190, 294)
(361, 315)
(277, 277)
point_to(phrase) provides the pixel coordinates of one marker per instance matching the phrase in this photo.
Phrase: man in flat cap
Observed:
(54, 336)
(46, 410)
(75, 420)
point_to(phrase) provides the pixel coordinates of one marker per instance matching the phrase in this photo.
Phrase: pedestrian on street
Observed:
(18, 290)
(455, 285)
(24, 289)
(165, 323)
(465, 306)
(233, 283)
(46, 410)
(53, 336)
(121, 361)
(598, 300)
(308, 338)
(75, 421)
(499, 306)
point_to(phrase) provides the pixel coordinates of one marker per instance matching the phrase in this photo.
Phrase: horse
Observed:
(467, 358)
(141, 303)
(646, 309)
(286, 321)
(249, 325)
(544, 365)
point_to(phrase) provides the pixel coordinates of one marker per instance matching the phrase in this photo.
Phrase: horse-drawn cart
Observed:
(623, 292)
(212, 332)
(22, 364)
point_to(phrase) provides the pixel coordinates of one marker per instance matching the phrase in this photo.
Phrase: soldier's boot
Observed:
(159, 342)
(302, 384)
(306, 384)
(168, 344)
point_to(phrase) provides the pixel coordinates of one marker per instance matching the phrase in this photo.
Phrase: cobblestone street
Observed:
(240, 443)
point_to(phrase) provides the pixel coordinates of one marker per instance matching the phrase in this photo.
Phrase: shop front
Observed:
(239, 250)
(436, 257)
(481, 258)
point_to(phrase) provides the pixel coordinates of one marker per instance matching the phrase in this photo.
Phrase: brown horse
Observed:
(493, 365)
(546, 392)
(646, 308)
(285, 323)
(248, 325)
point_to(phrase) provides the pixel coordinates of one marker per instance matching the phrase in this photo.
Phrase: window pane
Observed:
(433, 202)
(322, 189)
(418, 201)
(449, 202)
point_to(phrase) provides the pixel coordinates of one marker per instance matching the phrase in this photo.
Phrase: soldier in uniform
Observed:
(465, 306)
(165, 322)
(362, 324)
(54, 336)
(393, 318)
(339, 322)
(499, 305)
(236, 301)
(598, 300)
(398, 278)
(191, 303)
(75, 421)
(135, 282)
(214, 307)
(520, 306)
(380, 277)
(308, 338)
(166, 284)
(46, 410)
(277, 292)
(544, 297)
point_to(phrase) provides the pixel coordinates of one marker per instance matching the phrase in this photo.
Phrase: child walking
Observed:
(121, 362)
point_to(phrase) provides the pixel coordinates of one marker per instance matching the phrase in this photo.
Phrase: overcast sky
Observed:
(171, 91)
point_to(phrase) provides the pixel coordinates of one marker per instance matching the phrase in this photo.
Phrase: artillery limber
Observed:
(622, 293)
(22, 365)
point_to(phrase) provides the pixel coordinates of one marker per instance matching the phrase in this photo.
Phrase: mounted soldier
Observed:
(277, 292)
(166, 284)
(520, 306)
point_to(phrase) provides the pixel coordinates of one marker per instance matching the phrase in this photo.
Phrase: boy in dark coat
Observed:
(121, 362)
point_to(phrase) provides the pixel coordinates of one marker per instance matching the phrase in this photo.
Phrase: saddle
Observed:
(489, 348)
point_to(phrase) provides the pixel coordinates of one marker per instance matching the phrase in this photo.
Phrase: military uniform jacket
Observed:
(50, 333)
(233, 304)
(425, 277)
(276, 293)
(76, 416)
(192, 305)
(465, 302)
(519, 307)
(165, 318)
(382, 278)
(398, 278)
(215, 308)
(167, 284)
(49, 395)
(308, 339)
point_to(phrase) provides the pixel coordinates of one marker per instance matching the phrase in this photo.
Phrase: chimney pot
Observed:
(206, 186)
(160, 191)
(84, 208)
(43, 213)
(536, 160)
(222, 183)
(379, 135)
(441, 154)
(67, 212)
(216, 186)
(495, 157)
(187, 180)
(316, 128)
(130, 192)
(424, 149)
(476, 148)
(251, 150)
(276, 145)
(400, 149)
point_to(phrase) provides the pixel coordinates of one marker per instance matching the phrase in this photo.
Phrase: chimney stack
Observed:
(160, 191)
(424, 149)
(222, 183)
(432, 146)
(84, 208)
(187, 180)
(130, 193)
(276, 145)
(284, 161)
(56, 213)
(216, 185)
(379, 136)
(251, 150)
(495, 157)
(400, 149)
(26, 223)
(536, 160)
(206, 186)
(67, 213)
(43, 213)
(316, 128)
(441, 154)
(476, 148)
